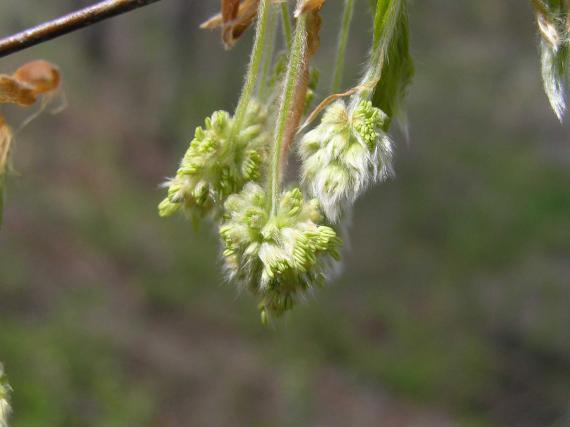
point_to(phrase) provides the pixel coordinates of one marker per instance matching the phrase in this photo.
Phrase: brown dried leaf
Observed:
(229, 10)
(234, 28)
(14, 92)
(42, 76)
(30, 80)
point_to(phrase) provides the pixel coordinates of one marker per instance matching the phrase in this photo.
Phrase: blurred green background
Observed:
(453, 308)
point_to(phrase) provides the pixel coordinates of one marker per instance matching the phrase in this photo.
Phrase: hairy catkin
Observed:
(553, 26)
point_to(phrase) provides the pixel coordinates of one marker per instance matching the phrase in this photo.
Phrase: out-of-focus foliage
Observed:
(453, 308)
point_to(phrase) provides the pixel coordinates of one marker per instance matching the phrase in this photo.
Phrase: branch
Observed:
(68, 23)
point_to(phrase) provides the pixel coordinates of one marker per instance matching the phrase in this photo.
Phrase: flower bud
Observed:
(343, 154)
(276, 257)
(218, 162)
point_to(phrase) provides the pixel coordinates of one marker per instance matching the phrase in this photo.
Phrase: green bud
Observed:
(276, 257)
(219, 161)
(345, 153)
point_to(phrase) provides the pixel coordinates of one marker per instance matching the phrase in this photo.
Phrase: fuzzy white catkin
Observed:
(344, 154)
(278, 257)
(554, 45)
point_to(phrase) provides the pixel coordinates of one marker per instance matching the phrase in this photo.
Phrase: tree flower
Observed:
(277, 257)
(218, 162)
(345, 153)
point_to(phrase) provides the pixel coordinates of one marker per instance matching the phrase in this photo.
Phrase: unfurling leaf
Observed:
(398, 68)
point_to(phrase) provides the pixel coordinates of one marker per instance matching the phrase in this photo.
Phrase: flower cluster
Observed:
(276, 256)
(218, 162)
(279, 244)
(344, 153)
(4, 395)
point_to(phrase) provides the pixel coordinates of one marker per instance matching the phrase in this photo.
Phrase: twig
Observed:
(68, 23)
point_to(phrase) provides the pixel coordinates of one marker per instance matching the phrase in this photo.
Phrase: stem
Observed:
(68, 23)
(254, 63)
(294, 72)
(385, 23)
(286, 22)
(269, 50)
(342, 42)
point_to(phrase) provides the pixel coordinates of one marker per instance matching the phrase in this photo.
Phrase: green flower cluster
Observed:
(4, 396)
(280, 244)
(219, 161)
(277, 257)
(343, 154)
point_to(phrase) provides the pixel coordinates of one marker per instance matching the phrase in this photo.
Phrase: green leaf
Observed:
(398, 68)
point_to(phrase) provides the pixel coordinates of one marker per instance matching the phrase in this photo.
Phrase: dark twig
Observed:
(68, 23)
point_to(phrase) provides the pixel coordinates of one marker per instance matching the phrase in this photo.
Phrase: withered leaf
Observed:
(30, 81)
(232, 29)
(230, 10)
(40, 75)
(14, 92)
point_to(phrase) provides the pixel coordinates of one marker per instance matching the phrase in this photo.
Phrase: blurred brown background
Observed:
(454, 305)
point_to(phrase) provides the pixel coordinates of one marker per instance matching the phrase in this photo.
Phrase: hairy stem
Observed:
(268, 54)
(291, 86)
(286, 23)
(342, 42)
(385, 23)
(255, 62)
